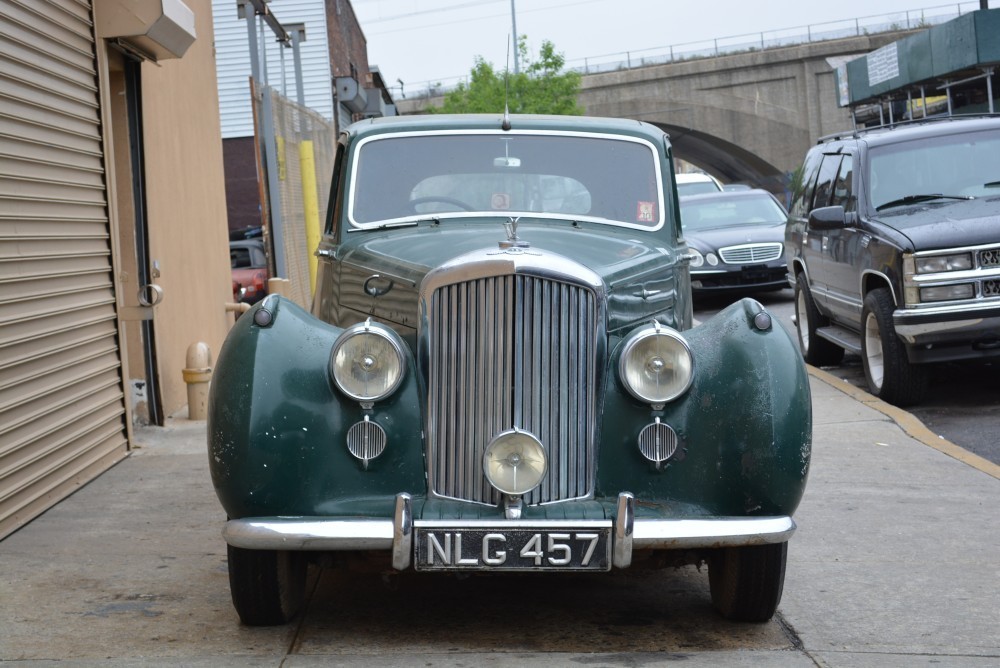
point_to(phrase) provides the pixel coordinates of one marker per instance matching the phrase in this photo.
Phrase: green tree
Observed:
(539, 88)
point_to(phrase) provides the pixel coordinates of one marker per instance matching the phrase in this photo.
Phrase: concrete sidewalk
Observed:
(896, 563)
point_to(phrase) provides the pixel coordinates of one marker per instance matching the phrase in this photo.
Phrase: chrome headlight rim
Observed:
(397, 347)
(493, 462)
(625, 357)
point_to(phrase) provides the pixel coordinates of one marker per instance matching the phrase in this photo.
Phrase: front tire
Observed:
(815, 350)
(888, 371)
(267, 586)
(747, 582)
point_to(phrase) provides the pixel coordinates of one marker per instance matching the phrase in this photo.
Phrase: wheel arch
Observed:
(871, 280)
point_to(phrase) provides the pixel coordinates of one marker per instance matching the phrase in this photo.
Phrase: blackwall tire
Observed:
(888, 371)
(747, 582)
(267, 586)
(815, 350)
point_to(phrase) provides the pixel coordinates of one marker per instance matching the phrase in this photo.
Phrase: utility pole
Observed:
(513, 22)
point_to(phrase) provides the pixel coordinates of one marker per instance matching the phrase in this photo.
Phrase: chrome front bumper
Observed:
(630, 533)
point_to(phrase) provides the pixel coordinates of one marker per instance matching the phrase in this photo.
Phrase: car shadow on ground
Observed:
(415, 613)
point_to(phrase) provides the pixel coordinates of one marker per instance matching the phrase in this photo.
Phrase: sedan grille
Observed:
(750, 253)
(511, 351)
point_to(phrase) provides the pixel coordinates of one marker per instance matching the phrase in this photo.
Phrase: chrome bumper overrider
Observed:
(630, 533)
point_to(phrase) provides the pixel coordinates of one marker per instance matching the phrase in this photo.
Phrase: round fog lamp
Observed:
(514, 462)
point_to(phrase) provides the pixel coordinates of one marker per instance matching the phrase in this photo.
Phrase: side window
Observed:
(824, 182)
(843, 190)
(804, 184)
(332, 210)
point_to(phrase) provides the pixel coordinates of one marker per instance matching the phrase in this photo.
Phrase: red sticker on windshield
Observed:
(500, 201)
(645, 212)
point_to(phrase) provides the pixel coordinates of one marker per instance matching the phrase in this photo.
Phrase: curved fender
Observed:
(745, 425)
(277, 425)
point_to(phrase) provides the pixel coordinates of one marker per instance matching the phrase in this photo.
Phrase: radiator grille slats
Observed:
(750, 253)
(511, 351)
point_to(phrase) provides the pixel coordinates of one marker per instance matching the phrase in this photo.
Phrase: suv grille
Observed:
(750, 253)
(506, 351)
(989, 257)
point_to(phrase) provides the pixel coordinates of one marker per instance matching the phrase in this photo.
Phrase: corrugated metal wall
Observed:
(232, 59)
(61, 399)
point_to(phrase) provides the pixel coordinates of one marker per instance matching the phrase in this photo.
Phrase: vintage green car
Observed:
(500, 373)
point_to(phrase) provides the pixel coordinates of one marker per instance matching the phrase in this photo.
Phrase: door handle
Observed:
(150, 294)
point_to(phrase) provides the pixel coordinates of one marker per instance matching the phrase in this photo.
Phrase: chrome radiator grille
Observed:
(750, 253)
(511, 351)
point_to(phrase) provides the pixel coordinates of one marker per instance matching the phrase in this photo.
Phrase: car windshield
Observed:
(464, 175)
(956, 166)
(711, 212)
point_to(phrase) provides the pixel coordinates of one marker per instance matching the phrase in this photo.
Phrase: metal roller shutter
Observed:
(61, 399)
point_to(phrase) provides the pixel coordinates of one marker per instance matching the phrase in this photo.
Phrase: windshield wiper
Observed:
(913, 199)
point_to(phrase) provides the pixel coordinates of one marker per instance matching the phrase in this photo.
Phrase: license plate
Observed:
(584, 547)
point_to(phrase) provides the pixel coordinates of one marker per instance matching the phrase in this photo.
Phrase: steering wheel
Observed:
(444, 200)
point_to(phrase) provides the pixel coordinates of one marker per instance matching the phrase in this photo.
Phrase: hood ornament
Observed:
(513, 243)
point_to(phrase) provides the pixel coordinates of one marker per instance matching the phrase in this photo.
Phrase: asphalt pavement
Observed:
(896, 563)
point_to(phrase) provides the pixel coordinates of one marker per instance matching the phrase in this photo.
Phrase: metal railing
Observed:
(913, 19)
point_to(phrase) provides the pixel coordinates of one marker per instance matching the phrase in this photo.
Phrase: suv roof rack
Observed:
(858, 132)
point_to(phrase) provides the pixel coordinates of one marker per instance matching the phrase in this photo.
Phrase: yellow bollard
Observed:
(198, 375)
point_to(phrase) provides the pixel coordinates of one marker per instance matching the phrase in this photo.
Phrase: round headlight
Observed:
(656, 364)
(367, 362)
(697, 259)
(514, 462)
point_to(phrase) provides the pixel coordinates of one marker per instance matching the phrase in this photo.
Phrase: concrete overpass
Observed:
(747, 117)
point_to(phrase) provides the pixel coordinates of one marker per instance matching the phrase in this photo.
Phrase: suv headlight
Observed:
(367, 361)
(656, 364)
(933, 264)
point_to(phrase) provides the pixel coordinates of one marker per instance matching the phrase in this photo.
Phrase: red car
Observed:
(249, 265)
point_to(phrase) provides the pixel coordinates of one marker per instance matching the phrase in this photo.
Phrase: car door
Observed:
(843, 249)
(816, 244)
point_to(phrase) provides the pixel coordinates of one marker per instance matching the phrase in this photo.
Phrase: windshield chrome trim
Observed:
(356, 153)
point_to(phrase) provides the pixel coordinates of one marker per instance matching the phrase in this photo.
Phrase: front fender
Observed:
(745, 426)
(277, 426)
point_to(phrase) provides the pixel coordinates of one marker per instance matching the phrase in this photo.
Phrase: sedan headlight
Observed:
(656, 364)
(367, 362)
(697, 259)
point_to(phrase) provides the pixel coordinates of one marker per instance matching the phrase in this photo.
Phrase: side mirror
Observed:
(828, 218)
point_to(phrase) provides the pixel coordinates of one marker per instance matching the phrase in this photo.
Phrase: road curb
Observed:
(908, 423)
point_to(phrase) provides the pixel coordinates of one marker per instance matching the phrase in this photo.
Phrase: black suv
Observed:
(893, 249)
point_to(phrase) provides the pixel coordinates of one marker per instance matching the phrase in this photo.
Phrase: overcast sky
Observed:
(421, 41)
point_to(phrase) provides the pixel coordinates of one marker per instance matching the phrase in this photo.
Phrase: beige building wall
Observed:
(186, 205)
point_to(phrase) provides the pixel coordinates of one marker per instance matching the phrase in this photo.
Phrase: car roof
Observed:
(694, 177)
(726, 195)
(446, 122)
(910, 130)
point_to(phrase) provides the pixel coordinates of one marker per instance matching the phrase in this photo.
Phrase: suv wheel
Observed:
(888, 371)
(815, 350)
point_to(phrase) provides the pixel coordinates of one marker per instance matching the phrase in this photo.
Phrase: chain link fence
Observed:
(297, 147)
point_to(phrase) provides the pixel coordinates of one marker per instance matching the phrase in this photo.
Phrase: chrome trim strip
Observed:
(402, 532)
(299, 533)
(322, 534)
(624, 531)
(512, 524)
(654, 150)
(658, 534)
(973, 308)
